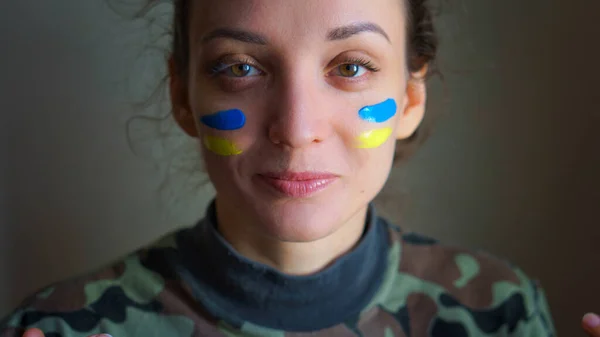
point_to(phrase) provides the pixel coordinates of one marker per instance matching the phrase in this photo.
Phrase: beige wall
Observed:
(512, 168)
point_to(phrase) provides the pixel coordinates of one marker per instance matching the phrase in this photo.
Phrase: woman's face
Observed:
(297, 105)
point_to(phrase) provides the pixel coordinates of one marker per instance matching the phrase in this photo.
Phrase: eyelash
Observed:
(369, 65)
(219, 67)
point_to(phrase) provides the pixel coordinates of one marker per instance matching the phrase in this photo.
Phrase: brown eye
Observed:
(351, 70)
(240, 70)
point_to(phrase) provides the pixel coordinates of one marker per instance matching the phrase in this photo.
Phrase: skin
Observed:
(302, 115)
(591, 324)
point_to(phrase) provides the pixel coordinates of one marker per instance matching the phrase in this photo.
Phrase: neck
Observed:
(292, 258)
(237, 290)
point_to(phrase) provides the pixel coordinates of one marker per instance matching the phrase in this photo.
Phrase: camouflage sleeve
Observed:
(12, 324)
(64, 308)
(31, 314)
(537, 319)
(9, 330)
(124, 299)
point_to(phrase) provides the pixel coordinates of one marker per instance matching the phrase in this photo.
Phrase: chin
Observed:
(301, 220)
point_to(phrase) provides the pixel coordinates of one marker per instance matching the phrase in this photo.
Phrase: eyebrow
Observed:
(235, 34)
(336, 34)
(345, 32)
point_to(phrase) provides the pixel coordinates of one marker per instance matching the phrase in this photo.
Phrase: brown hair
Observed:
(422, 49)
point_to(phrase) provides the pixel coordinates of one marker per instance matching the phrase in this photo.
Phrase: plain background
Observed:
(513, 166)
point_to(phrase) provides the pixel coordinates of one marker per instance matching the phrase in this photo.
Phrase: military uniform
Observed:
(193, 283)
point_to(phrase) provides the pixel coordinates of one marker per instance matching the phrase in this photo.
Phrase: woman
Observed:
(300, 108)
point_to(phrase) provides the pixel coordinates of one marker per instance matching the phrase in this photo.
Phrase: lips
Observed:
(298, 184)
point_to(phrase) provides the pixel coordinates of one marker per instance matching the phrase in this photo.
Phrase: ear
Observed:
(179, 101)
(413, 109)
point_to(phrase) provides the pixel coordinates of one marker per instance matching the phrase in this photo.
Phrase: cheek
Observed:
(221, 146)
(222, 128)
(373, 139)
(378, 129)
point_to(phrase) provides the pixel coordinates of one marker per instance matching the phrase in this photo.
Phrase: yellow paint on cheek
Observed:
(374, 138)
(221, 146)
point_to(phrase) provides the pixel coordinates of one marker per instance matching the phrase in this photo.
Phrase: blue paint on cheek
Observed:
(225, 120)
(379, 113)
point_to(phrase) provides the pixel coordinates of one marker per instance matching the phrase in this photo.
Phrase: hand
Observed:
(39, 333)
(591, 324)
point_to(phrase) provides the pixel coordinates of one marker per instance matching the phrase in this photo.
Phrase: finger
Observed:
(591, 324)
(34, 332)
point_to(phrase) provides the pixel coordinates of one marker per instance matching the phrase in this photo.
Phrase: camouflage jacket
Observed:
(192, 283)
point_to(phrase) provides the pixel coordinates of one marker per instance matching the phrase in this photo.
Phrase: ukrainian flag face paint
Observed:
(378, 113)
(374, 138)
(227, 120)
(221, 146)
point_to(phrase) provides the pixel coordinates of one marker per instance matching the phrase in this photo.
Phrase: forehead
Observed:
(296, 19)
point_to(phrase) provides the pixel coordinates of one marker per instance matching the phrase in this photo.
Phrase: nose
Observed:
(299, 114)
